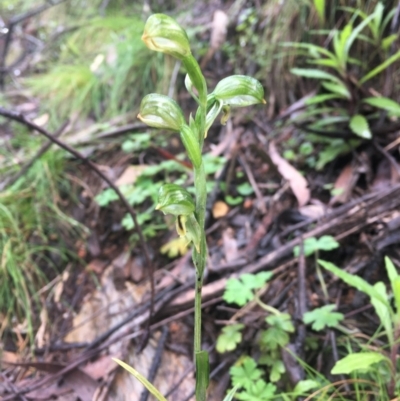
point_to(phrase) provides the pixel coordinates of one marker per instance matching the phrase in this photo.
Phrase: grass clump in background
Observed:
(33, 229)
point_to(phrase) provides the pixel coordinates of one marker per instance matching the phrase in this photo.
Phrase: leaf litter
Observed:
(364, 215)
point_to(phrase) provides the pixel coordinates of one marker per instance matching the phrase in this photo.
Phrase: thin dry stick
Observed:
(253, 183)
(10, 29)
(38, 155)
(19, 117)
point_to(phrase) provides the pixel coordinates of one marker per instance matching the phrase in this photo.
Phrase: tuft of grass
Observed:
(103, 69)
(32, 230)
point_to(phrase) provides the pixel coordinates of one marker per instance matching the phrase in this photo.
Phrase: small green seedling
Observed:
(241, 291)
(313, 245)
(323, 317)
(230, 337)
(245, 375)
(163, 34)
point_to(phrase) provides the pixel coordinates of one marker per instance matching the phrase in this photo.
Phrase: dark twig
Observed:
(388, 156)
(136, 312)
(48, 378)
(119, 131)
(156, 362)
(37, 156)
(95, 347)
(253, 183)
(11, 25)
(335, 355)
(13, 388)
(12, 115)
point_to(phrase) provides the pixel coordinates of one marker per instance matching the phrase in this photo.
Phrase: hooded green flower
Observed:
(163, 34)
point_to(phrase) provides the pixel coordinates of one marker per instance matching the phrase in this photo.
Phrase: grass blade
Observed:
(142, 379)
(380, 67)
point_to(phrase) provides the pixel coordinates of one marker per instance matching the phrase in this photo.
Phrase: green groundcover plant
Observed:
(387, 308)
(352, 69)
(163, 34)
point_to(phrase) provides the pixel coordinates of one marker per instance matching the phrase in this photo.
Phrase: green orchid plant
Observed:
(164, 34)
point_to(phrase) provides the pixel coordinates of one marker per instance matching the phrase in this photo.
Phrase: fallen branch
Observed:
(349, 219)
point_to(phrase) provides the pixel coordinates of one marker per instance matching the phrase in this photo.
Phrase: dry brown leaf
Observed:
(297, 182)
(219, 29)
(313, 211)
(59, 287)
(41, 337)
(173, 366)
(75, 382)
(386, 175)
(10, 357)
(103, 308)
(42, 120)
(344, 184)
(130, 175)
(230, 245)
(220, 209)
(101, 367)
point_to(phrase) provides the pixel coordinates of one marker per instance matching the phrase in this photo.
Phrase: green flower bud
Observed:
(239, 91)
(175, 200)
(161, 111)
(163, 34)
(191, 143)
